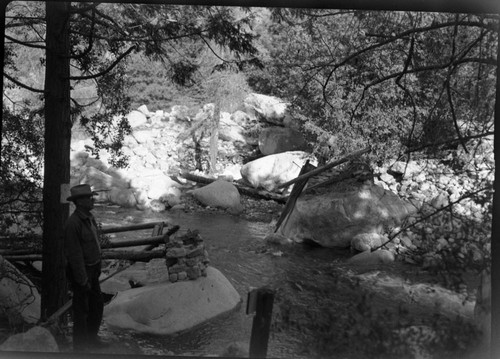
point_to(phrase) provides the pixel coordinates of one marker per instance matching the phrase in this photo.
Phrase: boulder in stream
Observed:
(220, 193)
(170, 308)
(333, 219)
(271, 171)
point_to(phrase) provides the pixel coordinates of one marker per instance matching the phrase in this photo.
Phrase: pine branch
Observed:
(102, 73)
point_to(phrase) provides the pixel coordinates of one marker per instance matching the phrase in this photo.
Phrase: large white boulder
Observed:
(140, 273)
(19, 298)
(169, 308)
(220, 194)
(268, 108)
(155, 182)
(37, 339)
(271, 171)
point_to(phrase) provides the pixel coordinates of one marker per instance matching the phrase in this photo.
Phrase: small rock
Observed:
(367, 241)
(277, 239)
(176, 252)
(369, 258)
(406, 241)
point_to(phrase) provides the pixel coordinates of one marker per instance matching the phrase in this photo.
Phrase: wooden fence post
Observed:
(260, 301)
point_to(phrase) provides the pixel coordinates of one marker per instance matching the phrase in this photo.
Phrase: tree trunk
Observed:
(56, 160)
(214, 136)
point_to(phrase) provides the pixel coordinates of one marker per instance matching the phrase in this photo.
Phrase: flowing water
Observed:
(306, 276)
(237, 248)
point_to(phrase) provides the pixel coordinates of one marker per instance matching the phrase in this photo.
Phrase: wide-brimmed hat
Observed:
(81, 190)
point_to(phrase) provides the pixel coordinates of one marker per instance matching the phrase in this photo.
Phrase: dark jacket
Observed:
(81, 245)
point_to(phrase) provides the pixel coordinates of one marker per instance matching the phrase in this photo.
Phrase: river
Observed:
(314, 296)
(237, 248)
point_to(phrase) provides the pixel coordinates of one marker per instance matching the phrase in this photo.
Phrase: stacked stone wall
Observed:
(186, 257)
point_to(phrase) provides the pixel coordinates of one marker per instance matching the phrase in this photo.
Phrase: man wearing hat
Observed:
(83, 255)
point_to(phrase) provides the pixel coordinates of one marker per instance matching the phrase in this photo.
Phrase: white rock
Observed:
(269, 108)
(367, 241)
(144, 110)
(387, 178)
(408, 169)
(170, 308)
(136, 118)
(370, 258)
(218, 194)
(270, 171)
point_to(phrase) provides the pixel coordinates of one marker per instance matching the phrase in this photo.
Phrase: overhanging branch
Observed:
(24, 43)
(20, 84)
(111, 67)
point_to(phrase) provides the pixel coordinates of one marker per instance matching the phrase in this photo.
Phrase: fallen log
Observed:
(326, 167)
(252, 192)
(142, 256)
(36, 254)
(20, 252)
(29, 255)
(132, 227)
(23, 258)
(135, 242)
(138, 256)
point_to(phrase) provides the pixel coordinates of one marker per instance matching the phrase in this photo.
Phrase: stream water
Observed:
(237, 248)
(305, 276)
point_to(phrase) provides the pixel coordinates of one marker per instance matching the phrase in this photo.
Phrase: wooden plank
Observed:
(132, 227)
(292, 199)
(136, 256)
(259, 339)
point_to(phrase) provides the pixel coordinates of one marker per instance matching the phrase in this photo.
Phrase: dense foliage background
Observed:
(408, 84)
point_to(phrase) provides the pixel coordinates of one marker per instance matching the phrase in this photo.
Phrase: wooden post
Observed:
(294, 195)
(261, 301)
